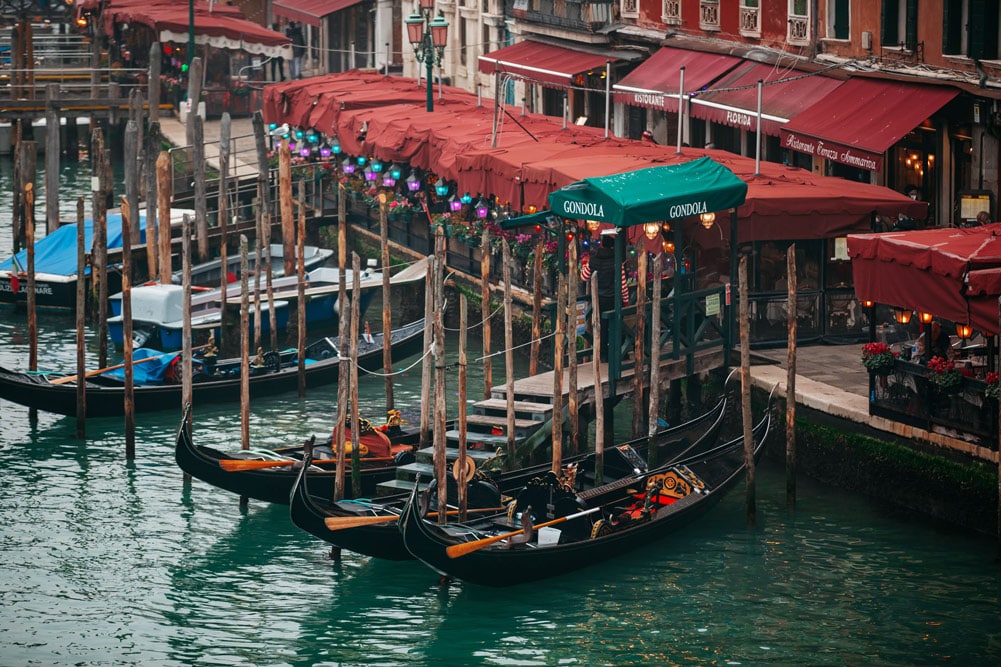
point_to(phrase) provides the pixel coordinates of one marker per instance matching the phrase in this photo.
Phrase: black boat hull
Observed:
(106, 398)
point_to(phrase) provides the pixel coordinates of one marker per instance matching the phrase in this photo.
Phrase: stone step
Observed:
(426, 455)
(395, 486)
(529, 409)
(501, 422)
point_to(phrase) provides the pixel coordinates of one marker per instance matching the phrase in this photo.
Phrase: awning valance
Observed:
(784, 94)
(543, 63)
(860, 120)
(951, 273)
(310, 12)
(658, 80)
(669, 192)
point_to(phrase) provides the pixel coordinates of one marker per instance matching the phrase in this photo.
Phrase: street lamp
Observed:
(428, 37)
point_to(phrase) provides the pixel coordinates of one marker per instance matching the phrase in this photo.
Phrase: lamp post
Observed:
(428, 37)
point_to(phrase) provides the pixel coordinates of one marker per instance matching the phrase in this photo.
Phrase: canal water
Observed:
(107, 562)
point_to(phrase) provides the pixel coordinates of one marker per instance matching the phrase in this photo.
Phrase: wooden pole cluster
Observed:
(81, 319)
(488, 372)
(440, 410)
(387, 306)
(134, 164)
(186, 388)
(153, 84)
(791, 378)
(258, 267)
(127, 344)
(29, 237)
(509, 356)
(344, 372)
(745, 391)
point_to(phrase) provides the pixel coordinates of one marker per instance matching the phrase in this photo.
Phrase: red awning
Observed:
(784, 95)
(658, 79)
(310, 11)
(861, 119)
(543, 63)
(951, 273)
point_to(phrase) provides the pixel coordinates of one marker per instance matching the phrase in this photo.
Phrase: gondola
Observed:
(591, 524)
(369, 527)
(274, 373)
(269, 475)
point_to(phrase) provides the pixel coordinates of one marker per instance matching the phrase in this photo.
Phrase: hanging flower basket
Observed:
(993, 388)
(877, 358)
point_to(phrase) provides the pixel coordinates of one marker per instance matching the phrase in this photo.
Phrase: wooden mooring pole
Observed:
(300, 303)
(653, 417)
(485, 312)
(745, 392)
(599, 388)
(387, 305)
(533, 359)
(425, 406)
(81, 323)
(52, 153)
(244, 345)
(509, 357)
(102, 170)
(792, 313)
(640, 425)
(127, 344)
(151, 158)
(223, 214)
(573, 399)
(186, 388)
(164, 188)
(440, 461)
(463, 339)
(29, 238)
(559, 350)
(355, 407)
(201, 196)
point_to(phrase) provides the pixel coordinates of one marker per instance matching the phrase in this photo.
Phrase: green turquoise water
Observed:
(109, 562)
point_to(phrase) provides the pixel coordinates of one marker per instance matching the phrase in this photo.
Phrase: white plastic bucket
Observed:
(549, 535)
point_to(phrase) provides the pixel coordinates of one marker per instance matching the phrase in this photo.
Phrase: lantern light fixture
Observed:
(482, 209)
(465, 198)
(964, 331)
(441, 187)
(925, 318)
(652, 230)
(325, 151)
(335, 146)
(299, 133)
(388, 180)
(376, 166)
(868, 304)
(396, 171)
(708, 219)
(902, 315)
(348, 167)
(592, 225)
(370, 174)
(413, 183)
(455, 203)
(305, 151)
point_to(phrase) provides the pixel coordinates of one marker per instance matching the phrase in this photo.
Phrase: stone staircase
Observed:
(486, 431)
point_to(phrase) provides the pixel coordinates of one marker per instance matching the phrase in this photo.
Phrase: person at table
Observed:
(603, 264)
(934, 343)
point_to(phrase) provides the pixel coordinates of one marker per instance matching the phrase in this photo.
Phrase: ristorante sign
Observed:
(829, 150)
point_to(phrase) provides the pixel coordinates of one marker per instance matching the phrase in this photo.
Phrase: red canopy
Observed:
(544, 63)
(221, 26)
(951, 273)
(385, 116)
(657, 81)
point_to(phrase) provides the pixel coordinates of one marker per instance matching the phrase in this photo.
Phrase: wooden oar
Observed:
(341, 522)
(458, 550)
(238, 465)
(71, 378)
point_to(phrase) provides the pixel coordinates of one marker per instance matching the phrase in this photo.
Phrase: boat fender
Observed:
(406, 457)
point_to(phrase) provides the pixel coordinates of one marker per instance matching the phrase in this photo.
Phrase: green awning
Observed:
(647, 195)
(532, 219)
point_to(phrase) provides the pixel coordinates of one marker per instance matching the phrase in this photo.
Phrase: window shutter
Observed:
(911, 25)
(952, 27)
(842, 27)
(983, 29)
(888, 23)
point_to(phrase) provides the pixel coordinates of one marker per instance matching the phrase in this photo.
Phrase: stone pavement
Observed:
(243, 148)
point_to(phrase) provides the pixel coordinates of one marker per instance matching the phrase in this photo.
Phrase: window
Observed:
(839, 19)
(709, 14)
(899, 24)
(799, 22)
(970, 28)
(630, 9)
(750, 18)
(671, 12)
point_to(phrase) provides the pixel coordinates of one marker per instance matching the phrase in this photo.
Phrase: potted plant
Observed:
(943, 374)
(877, 358)
(993, 388)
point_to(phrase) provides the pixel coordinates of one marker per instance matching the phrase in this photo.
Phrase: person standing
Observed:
(603, 263)
(277, 62)
(294, 33)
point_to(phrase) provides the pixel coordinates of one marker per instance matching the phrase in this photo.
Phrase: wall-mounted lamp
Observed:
(652, 230)
(708, 219)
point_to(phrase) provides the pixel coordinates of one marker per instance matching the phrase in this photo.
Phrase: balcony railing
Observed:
(709, 14)
(750, 21)
(799, 30)
(671, 12)
(566, 14)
